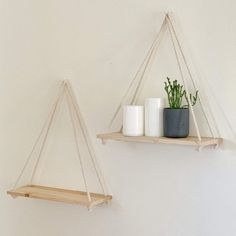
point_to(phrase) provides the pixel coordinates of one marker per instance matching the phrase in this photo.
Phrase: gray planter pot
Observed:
(176, 122)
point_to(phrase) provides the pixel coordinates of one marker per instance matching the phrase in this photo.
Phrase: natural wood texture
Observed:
(192, 141)
(60, 195)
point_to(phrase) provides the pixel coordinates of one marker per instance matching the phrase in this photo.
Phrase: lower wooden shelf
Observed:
(190, 140)
(59, 195)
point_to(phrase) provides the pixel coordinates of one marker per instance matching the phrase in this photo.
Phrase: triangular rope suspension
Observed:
(45, 127)
(174, 38)
(167, 23)
(139, 76)
(81, 123)
(77, 124)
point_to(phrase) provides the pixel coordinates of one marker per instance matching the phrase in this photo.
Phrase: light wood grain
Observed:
(59, 195)
(192, 141)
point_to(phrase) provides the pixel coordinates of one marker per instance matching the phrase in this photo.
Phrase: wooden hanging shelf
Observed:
(86, 198)
(135, 88)
(191, 141)
(59, 195)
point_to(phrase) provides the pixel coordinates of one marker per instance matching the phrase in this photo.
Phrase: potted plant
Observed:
(176, 116)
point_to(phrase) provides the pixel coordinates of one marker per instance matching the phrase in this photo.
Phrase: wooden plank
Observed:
(59, 195)
(190, 140)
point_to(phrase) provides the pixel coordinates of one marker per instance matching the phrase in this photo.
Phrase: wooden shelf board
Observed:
(190, 140)
(59, 195)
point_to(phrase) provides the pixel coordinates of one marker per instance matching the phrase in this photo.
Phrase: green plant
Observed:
(176, 92)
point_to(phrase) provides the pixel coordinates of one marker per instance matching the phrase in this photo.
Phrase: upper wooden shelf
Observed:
(59, 195)
(190, 141)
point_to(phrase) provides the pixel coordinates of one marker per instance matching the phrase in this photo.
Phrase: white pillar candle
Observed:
(154, 117)
(133, 120)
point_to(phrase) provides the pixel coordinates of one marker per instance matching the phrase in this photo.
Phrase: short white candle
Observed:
(154, 116)
(133, 120)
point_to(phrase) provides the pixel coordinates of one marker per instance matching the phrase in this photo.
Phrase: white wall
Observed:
(158, 189)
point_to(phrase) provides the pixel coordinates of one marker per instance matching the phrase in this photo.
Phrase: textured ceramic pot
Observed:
(176, 122)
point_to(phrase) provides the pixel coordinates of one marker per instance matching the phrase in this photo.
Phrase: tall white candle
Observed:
(154, 117)
(133, 120)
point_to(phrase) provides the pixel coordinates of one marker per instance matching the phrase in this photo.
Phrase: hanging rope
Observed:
(148, 65)
(170, 24)
(142, 68)
(39, 137)
(58, 102)
(184, 82)
(77, 143)
(82, 125)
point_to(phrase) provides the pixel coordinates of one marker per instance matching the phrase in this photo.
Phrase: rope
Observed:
(47, 132)
(87, 138)
(37, 140)
(144, 63)
(184, 82)
(77, 145)
(148, 65)
(192, 80)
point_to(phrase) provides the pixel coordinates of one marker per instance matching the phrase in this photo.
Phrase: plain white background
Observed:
(158, 189)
